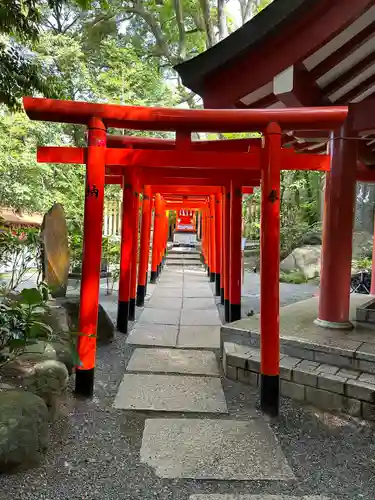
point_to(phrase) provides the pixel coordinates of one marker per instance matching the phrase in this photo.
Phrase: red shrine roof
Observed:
(294, 53)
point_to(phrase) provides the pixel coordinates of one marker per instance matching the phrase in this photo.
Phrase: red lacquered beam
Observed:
(114, 179)
(198, 120)
(167, 159)
(126, 141)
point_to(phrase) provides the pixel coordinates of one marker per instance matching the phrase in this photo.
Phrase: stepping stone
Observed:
(196, 317)
(230, 450)
(256, 497)
(174, 361)
(165, 303)
(167, 291)
(199, 336)
(160, 316)
(200, 303)
(153, 335)
(175, 393)
(195, 292)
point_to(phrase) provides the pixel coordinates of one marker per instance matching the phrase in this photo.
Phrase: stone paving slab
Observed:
(167, 291)
(194, 317)
(196, 292)
(165, 303)
(199, 303)
(175, 393)
(213, 449)
(160, 316)
(199, 336)
(256, 497)
(153, 335)
(190, 362)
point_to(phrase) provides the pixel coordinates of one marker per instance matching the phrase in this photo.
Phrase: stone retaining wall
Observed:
(329, 352)
(321, 384)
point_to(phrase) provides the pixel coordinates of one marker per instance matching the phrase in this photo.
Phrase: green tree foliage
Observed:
(31, 186)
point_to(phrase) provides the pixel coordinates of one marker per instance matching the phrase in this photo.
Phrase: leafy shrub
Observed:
(20, 251)
(21, 323)
(294, 277)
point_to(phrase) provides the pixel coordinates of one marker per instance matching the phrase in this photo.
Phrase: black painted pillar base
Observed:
(146, 283)
(234, 312)
(158, 271)
(153, 278)
(208, 271)
(141, 294)
(269, 394)
(122, 316)
(217, 285)
(84, 383)
(222, 296)
(226, 310)
(212, 277)
(132, 310)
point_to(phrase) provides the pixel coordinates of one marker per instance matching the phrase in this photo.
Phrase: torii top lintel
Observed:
(192, 120)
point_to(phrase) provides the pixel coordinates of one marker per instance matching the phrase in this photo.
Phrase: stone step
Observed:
(345, 354)
(323, 385)
(183, 262)
(194, 256)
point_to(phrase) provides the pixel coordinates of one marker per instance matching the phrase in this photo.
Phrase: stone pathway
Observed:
(101, 452)
(177, 371)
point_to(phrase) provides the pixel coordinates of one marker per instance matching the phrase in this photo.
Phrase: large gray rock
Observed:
(47, 378)
(305, 260)
(362, 244)
(56, 255)
(58, 350)
(23, 429)
(312, 238)
(106, 329)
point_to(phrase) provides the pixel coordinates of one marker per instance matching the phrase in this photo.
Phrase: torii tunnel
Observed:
(159, 175)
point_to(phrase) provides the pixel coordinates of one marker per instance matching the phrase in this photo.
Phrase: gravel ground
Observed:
(289, 292)
(94, 452)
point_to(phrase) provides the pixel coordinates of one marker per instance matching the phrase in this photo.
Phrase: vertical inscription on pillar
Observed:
(92, 191)
(273, 196)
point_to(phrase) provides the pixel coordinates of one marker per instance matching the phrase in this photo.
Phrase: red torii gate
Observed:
(265, 162)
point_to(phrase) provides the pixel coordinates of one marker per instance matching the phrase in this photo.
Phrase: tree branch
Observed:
(205, 6)
(177, 5)
(222, 21)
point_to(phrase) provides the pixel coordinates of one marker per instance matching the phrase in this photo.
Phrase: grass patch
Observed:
(295, 277)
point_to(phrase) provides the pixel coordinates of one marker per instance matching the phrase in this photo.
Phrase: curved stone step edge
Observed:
(325, 386)
(361, 358)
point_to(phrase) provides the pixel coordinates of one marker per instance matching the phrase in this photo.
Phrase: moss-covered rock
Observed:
(23, 429)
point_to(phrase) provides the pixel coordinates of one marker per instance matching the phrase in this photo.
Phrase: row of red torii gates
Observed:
(209, 176)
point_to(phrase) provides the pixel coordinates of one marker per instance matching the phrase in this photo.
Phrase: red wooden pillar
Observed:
(204, 238)
(212, 239)
(270, 271)
(207, 240)
(222, 261)
(339, 204)
(226, 253)
(165, 239)
(126, 255)
(203, 258)
(372, 290)
(145, 246)
(156, 238)
(218, 242)
(133, 279)
(235, 251)
(91, 258)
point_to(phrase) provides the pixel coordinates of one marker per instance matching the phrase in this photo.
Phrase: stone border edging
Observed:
(321, 384)
(359, 359)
